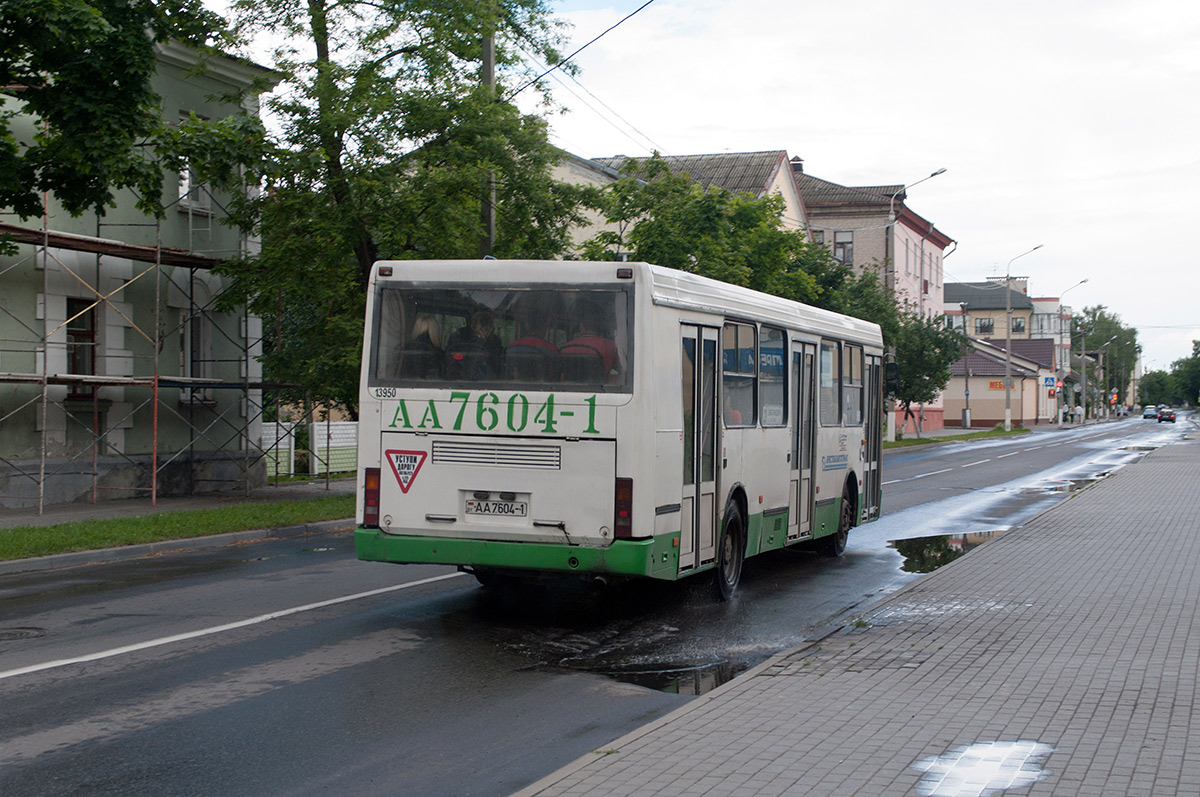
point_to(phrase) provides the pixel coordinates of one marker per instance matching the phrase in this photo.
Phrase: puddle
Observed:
(926, 554)
(693, 680)
(983, 768)
(10, 634)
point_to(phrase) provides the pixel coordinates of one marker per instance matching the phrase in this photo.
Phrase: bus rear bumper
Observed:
(656, 557)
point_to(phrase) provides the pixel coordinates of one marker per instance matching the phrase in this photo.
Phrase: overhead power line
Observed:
(577, 52)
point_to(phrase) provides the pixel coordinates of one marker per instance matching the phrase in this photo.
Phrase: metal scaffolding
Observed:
(103, 413)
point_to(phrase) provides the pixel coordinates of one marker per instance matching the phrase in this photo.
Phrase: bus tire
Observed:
(835, 544)
(731, 553)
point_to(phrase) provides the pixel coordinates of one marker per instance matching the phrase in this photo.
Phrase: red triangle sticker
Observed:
(405, 465)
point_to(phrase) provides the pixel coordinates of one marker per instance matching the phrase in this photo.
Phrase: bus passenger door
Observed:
(873, 433)
(800, 496)
(698, 515)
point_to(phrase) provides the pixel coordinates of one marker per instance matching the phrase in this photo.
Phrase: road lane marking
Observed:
(935, 473)
(1010, 454)
(973, 464)
(262, 618)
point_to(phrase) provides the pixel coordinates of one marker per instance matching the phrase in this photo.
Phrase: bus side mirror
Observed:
(891, 378)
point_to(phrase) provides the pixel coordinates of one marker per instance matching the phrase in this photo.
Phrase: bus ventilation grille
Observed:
(497, 455)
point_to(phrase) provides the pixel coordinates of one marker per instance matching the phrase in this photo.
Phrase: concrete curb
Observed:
(102, 555)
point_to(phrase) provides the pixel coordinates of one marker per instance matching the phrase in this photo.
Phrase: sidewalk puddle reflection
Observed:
(983, 768)
(696, 680)
(926, 554)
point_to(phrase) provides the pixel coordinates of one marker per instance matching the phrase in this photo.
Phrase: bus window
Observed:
(852, 385)
(738, 362)
(831, 409)
(772, 387)
(502, 337)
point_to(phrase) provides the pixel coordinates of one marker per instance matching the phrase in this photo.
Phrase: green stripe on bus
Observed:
(657, 557)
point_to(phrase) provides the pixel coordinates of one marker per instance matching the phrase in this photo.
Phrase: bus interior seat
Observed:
(528, 363)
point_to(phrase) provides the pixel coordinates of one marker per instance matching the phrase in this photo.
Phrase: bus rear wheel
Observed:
(731, 553)
(835, 544)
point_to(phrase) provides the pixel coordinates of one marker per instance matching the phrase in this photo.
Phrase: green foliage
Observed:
(1185, 374)
(924, 348)
(1156, 387)
(669, 220)
(1103, 331)
(28, 541)
(82, 70)
(387, 143)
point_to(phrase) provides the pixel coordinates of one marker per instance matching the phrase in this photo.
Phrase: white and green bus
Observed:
(608, 420)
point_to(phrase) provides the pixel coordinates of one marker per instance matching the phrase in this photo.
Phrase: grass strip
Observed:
(920, 441)
(23, 542)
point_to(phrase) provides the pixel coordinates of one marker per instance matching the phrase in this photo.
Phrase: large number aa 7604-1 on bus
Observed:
(608, 420)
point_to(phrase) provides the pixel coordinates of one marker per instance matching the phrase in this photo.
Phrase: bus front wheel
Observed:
(731, 553)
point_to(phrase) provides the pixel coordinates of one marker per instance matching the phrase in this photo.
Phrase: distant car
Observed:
(1150, 412)
(1122, 412)
(1166, 415)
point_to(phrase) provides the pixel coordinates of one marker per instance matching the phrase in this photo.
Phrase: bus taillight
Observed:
(371, 497)
(623, 510)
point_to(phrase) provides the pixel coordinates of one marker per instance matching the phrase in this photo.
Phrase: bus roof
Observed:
(669, 287)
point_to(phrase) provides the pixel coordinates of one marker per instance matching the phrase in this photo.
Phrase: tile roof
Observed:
(822, 192)
(989, 362)
(739, 172)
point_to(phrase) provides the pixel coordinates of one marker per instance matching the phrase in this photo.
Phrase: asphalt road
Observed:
(288, 667)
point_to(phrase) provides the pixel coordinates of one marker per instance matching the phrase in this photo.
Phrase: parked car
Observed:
(1166, 415)
(1150, 412)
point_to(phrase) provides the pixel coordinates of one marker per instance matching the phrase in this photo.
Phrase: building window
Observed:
(193, 195)
(81, 343)
(843, 247)
(1018, 324)
(818, 237)
(985, 326)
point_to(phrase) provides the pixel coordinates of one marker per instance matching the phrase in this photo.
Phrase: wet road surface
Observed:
(289, 667)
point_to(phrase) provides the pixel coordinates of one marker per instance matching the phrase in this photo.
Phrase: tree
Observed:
(1103, 332)
(924, 348)
(82, 70)
(669, 220)
(388, 139)
(1155, 387)
(1185, 373)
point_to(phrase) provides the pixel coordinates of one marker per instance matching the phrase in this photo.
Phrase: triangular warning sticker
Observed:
(405, 465)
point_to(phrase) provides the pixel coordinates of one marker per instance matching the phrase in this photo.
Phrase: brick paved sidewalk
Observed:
(1075, 635)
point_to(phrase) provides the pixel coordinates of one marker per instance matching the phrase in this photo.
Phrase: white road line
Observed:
(1009, 454)
(262, 618)
(973, 464)
(935, 473)
(893, 481)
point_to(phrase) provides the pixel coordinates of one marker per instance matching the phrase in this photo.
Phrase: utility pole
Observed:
(487, 77)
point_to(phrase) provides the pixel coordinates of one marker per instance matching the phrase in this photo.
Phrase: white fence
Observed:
(333, 447)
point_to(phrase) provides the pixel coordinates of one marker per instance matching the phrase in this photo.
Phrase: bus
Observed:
(608, 420)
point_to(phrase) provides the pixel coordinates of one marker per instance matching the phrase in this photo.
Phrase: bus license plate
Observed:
(497, 508)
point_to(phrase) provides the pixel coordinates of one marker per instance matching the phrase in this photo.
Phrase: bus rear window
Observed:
(538, 338)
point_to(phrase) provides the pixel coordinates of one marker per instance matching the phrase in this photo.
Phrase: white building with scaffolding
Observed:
(119, 374)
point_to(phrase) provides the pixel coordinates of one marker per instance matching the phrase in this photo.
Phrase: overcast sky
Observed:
(1067, 123)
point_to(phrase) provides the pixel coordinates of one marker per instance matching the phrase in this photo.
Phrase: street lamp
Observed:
(889, 276)
(1008, 339)
(892, 202)
(1064, 369)
(1104, 373)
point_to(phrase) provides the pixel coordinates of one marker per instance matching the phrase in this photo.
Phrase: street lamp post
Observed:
(1103, 375)
(1008, 339)
(891, 280)
(966, 415)
(1064, 372)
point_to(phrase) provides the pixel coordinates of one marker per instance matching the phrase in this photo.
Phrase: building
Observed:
(872, 228)
(119, 374)
(975, 396)
(759, 174)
